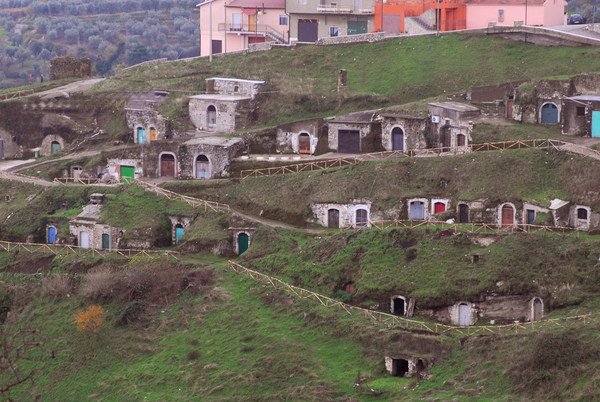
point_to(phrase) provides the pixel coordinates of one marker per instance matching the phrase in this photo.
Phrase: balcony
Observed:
(252, 29)
(333, 9)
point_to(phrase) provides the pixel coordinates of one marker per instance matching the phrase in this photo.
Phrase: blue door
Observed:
(596, 124)
(549, 114)
(141, 136)
(179, 232)
(51, 235)
(416, 211)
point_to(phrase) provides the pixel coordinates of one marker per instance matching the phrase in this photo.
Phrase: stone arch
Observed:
(398, 305)
(304, 143)
(549, 113)
(242, 242)
(211, 116)
(537, 309)
(167, 164)
(398, 138)
(52, 144)
(507, 215)
(361, 218)
(202, 167)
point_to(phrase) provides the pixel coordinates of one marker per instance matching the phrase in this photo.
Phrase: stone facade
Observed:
(183, 221)
(345, 39)
(414, 130)
(576, 114)
(228, 104)
(46, 146)
(68, 67)
(412, 365)
(235, 232)
(347, 214)
(289, 138)
(218, 151)
(452, 124)
(364, 124)
(8, 146)
(89, 231)
(113, 168)
(146, 123)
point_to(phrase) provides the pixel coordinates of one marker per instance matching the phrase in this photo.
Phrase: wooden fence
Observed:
(394, 321)
(195, 202)
(468, 227)
(85, 181)
(426, 152)
(16, 95)
(68, 249)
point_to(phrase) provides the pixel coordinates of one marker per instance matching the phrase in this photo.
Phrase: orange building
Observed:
(391, 15)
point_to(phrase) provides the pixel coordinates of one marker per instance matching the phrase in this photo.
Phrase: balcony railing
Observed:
(328, 9)
(252, 29)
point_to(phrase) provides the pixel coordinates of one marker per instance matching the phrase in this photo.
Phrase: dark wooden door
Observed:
(349, 141)
(463, 213)
(530, 216)
(397, 139)
(509, 108)
(308, 30)
(508, 215)
(167, 166)
(333, 218)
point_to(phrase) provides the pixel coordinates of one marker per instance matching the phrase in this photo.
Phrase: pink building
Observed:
(233, 25)
(481, 13)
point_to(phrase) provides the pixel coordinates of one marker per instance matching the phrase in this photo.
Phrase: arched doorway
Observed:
(416, 211)
(211, 116)
(54, 147)
(84, 240)
(397, 139)
(333, 218)
(538, 309)
(464, 314)
(582, 213)
(398, 305)
(179, 232)
(243, 241)
(202, 167)
(52, 235)
(439, 207)
(549, 113)
(304, 143)
(362, 218)
(463, 213)
(105, 241)
(508, 215)
(153, 134)
(141, 135)
(167, 165)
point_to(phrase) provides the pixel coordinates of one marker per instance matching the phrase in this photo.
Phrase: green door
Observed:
(596, 123)
(54, 147)
(357, 27)
(243, 243)
(127, 174)
(105, 241)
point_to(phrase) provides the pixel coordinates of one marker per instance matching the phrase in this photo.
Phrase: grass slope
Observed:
(303, 80)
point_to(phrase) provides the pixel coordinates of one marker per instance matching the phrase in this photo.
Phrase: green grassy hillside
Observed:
(534, 175)
(302, 81)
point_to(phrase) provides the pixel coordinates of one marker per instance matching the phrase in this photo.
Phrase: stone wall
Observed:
(148, 119)
(113, 168)
(414, 129)
(95, 231)
(226, 113)
(370, 135)
(184, 221)
(232, 86)
(9, 147)
(347, 213)
(219, 157)
(46, 146)
(151, 157)
(234, 232)
(68, 67)
(360, 38)
(288, 135)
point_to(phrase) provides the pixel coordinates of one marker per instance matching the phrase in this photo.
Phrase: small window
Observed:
(334, 31)
(283, 20)
(236, 89)
(582, 213)
(580, 111)
(500, 15)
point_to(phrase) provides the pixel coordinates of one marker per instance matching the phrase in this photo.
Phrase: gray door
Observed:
(397, 139)
(349, 141)
(464, 314)
(549, 114)
(538, 310)
(416, 211)
(84, 240)
(1, 148)
(308, 30)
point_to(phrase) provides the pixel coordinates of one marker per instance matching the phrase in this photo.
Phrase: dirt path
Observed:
(67, 90)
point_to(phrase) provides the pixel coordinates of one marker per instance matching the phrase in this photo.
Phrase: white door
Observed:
(236, 22)
(84, 240)
(464, 314)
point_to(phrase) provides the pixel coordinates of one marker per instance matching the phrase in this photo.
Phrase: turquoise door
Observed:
(596, 124)
(243, 243)
(105, 241)
(179, 232)
(141, 136)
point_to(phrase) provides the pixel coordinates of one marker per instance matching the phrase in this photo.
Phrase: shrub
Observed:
(57, 286)
(99, 284)
(130, 313)
(90, 320)
(193, 355)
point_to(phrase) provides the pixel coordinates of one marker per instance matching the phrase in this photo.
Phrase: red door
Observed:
(167, 166)
(304, 144)
(508, 215)
(439, 207)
